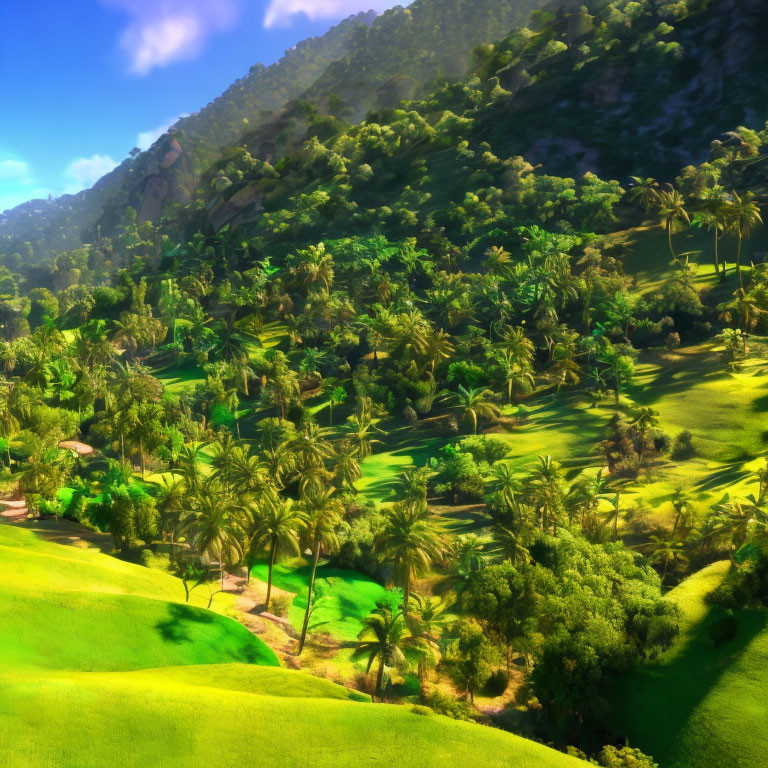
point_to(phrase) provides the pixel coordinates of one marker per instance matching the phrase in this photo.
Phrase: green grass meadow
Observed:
(701, 706)
(101, 664)
(343, 597)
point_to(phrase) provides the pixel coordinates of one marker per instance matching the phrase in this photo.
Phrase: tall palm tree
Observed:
(212, 527)
(743, 214)
(714, 217)
(276, 524)
(322, 511)
(665, 551)
(475, 404)
(643, 424)
(672, 212)
(382, 637)
(411, 540)
(425, 619)
(346, 465)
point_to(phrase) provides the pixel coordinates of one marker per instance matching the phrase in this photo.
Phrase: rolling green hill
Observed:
(94, 651)
(699, 706)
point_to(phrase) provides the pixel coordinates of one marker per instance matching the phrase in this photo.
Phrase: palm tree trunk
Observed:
(717, 257)
(309, 597)
(380, 679)
(406, 591)
(272, 551)
(141, 456)
(669, 236)
(738, 263)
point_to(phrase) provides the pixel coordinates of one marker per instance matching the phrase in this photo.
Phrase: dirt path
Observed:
(14, 510)
(250, 601)
(81, 449)
(69, 533)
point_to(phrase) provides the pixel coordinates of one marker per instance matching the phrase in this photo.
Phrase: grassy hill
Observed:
(699, 706)
(99, 662)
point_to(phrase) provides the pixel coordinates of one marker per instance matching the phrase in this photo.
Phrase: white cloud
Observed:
(17, 184)
(281, 12)
(84, 172)
(161, 32)
(147, 138)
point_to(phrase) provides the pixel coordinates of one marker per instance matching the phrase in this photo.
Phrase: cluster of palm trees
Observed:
(284, 501)
(405, 637)
(718, 211)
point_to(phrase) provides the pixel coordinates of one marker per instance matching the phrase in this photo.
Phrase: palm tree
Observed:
(347, 466)
(170, 502)
(359, 430)
(411, 540)
(673, 213)
(211, 527)
(743, 214)
(498, 261)
(322, 511)
(426, 618)
(645, 192)
(643, 423)
(683, 510)
(475, 404)
(614, 513)
(276, 524)
(382, 637)
(715, 218)
(665, 551)
(519, 377)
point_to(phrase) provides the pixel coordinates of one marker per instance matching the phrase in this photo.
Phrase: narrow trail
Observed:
(14, 510)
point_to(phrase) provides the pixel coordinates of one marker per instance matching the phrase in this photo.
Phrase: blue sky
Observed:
(82, 82)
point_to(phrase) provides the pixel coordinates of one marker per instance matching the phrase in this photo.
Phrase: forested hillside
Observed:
(458, 432)
(361, 62)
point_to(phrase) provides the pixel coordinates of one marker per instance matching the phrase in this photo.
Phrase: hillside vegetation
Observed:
(70, 696)
(463, 435)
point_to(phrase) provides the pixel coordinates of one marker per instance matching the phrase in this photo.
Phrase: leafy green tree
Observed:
(470, 658)
(276, 524)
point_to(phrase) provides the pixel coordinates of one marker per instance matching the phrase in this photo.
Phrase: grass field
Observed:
(700, 706)
(347, 597)
(100, 664)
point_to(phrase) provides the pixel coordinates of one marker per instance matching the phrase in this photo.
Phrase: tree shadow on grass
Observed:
(730, 474)
(181, 618)
(654, 703)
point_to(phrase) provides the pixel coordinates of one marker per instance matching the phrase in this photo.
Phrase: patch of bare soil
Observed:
(81, 449)
(67, 532)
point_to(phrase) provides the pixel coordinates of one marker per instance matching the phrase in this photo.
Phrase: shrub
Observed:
(626, 757)
(280, 605)
(497, 683)
(483, 448)
(682, 446)
(443, 704)
(722, 626)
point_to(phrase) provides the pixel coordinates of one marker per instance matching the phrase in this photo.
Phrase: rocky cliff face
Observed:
(644, 112)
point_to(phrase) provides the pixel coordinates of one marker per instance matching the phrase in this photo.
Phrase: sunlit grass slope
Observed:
(133, 720)
(67, 608)
(101, 664)
(344, 597)
(700, 706)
